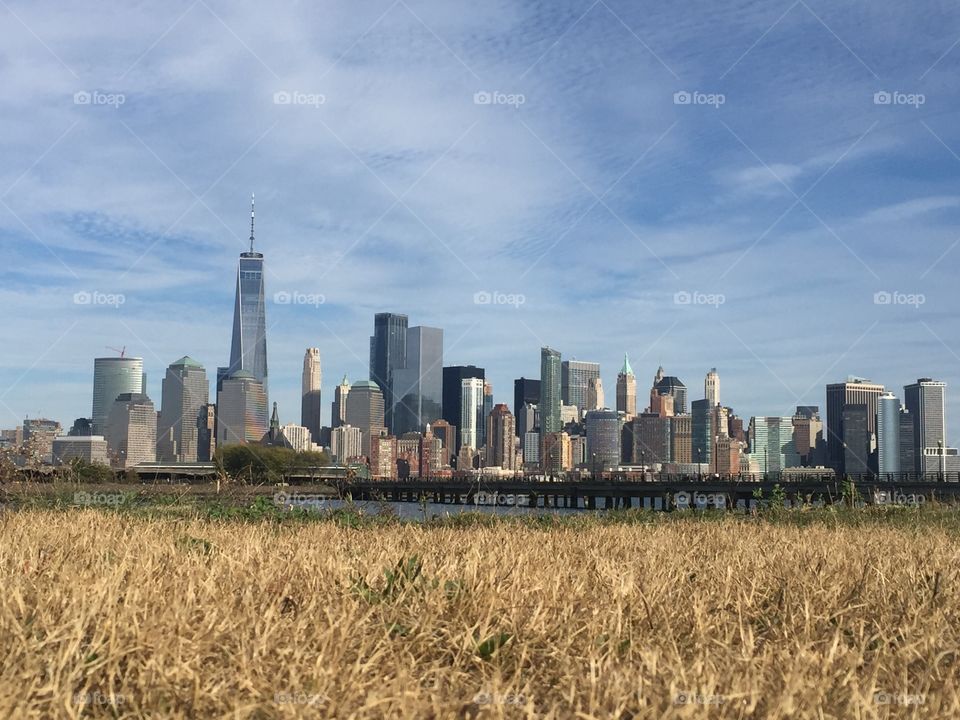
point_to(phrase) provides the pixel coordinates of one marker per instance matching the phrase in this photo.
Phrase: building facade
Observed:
(241, 410)
(131, 431)
(112, 377)
(311, 382)
(184, 390)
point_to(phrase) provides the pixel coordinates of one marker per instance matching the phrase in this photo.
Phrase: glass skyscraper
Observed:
(112, 377)
(550, 388)
(419, 385)
(248, 350)
(388, 353)
(575, 376)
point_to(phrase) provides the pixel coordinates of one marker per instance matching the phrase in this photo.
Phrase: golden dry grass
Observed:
(110, 615)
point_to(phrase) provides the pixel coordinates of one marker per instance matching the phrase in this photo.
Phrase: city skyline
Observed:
(499, 200)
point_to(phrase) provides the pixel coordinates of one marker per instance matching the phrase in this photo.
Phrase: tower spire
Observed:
(251, 221)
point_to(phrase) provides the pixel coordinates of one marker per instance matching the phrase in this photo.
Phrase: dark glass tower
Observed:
(453, 377)
(248, 351)
(388, 353)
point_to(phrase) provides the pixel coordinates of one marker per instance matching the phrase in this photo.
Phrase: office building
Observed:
(501, 438)
(855, 391)
(338, 413)
(112, 377)
(595, 399)
(241, 410)
(365, 410)
(711, 387)
(771, 444)
(575, 377)
(525, 391)
(926, 403)
(857, 440)
(418, 385)
(346, 442)
(453, 377)
(550, 391)
(471, 412)
(603, 438)
(888, 434)
(671, 385)
(388, 353)
(206, 432)
(131, 433)
(248, 348)
(184, 390)
(86, 448)
(310, 393)
(702, 431)
(38, 436)
(681, 439)
(627, 390)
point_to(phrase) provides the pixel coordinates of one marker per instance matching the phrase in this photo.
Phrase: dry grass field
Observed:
(112, 615)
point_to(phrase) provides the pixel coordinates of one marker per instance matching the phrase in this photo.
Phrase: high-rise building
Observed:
(38, 437)
(627, 390)
(346, 442)
(888, 434)
(807, 433)
(711, 387)
(925, 401)
(550, 391)
(241, 410)
(418, 386)
(81, 427)
(595, 399)
(112, 377)
(681, 439)
(857, 439)
(908, 459)
(248, 348)
(388, 353)
(338, 414)
(365, 410)
(453, 377)
(670, 385)
(501, 438)
(650, 434)
(206, 432)
(131, 430)
(556, 453)
(575, 377)
(855, 391)
(471, 412)
(701, 431)
(310, 393)
(772, 445)
(446, 434)
(603, 438)
(89, 448)
(184, 391)
(726, 461)
(525, 391)
(383, 456)
(487, 409)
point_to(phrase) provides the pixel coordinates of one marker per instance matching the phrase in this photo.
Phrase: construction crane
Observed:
(122, 351)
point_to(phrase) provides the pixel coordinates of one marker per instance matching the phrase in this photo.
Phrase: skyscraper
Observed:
(338, 413)
(248, 349)
(627, 390)
(241, 410)
(388, 353)
(857, 439)
(671, 385)
(550, 388)
(603, 439)
(595, 399)
(131, 432)
(501, 438)
(771, 443)
(575, 376)
(418, 386)
(855, 391)
(525, 391)
(711, 387)
(471, 412)
(888, 434)
(113, 376)
(310, 389)
(701, 432)
(365, 410)
(184, 391)
(453, 377)
(925, 401)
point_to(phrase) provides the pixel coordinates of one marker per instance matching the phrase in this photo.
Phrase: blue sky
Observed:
(814, 166)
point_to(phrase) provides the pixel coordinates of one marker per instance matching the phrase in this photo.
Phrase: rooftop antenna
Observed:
(251, 221)
(122, 351)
